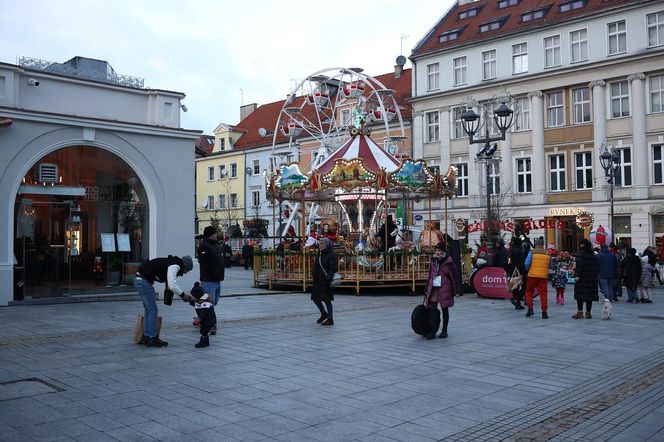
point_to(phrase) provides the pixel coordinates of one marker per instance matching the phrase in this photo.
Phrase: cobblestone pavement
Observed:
(71, 372)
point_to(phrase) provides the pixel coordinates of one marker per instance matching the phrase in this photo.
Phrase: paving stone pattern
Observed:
(272, 374)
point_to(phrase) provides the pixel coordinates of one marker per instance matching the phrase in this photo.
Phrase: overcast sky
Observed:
(211, 50)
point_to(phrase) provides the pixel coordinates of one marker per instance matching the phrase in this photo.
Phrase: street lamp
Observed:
(504, 118)
(609, 159)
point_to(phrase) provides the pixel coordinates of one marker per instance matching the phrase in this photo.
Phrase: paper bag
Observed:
(138, 332)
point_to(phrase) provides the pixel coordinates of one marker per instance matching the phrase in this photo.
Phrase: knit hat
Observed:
(197, 291)
(209, 231)
(441, 246)
(539, 242)
(187, 262)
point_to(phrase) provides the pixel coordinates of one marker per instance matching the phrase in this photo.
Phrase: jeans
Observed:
(149, 299)
(211, 287)
(605, 287)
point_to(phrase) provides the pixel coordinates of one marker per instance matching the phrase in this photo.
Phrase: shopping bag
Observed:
(138, 331)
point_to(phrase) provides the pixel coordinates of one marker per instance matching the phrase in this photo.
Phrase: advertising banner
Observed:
(490, 282)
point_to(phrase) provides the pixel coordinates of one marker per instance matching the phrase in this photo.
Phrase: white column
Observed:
(507, 169)
(418, 148)
(445, 143)
(639, 143)
(599, 136)
(538, 160)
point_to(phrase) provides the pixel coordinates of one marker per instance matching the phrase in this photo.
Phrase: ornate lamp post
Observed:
(610, 161)
(504, 118)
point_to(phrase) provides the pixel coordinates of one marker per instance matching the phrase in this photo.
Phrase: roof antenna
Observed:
(403, 37)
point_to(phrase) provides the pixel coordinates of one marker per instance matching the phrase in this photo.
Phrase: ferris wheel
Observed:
(321, 111)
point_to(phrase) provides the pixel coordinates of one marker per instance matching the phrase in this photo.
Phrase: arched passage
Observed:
(80, 223)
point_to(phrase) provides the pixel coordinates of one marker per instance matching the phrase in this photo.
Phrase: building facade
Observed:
(579, 75)
(86, 172)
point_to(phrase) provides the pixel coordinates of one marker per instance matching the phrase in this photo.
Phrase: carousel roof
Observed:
(362, 147)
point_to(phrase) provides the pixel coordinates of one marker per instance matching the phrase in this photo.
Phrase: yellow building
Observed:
(220, 182)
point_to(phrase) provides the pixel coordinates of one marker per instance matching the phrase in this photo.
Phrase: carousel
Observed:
(355, 192)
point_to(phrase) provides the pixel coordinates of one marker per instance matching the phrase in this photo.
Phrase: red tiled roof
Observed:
(488, 12)
(204, 145)
(266, 115)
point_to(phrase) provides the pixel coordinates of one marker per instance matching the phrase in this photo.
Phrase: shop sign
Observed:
(460, 225)
(490, 282)
(584, 220)
(565, 211)
(528, 225)
(418, 217)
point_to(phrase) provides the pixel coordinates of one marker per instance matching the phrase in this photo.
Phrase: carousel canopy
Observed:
(363, 147)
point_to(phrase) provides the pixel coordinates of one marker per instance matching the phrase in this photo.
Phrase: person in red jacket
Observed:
(537, 278)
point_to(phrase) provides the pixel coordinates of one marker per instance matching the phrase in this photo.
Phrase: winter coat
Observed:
(211, 260)
(586, 270)
(500, 256)
(444, 295)
(324, 268)
(559, 280)
(631, 272)
(516, 258)
(608, 263)
(539, 268)
(616, 279)
(646, 279)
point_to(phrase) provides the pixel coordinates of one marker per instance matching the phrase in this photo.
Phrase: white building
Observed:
(87, 152)
(581, 74)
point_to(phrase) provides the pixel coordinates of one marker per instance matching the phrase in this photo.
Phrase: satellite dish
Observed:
(262, 131)
(204, 204)
(401, 60)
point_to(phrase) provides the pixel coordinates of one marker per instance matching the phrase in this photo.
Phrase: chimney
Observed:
(398, 70)
(247, 109)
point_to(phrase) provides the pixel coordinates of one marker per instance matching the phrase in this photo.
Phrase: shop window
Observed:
(623, 226)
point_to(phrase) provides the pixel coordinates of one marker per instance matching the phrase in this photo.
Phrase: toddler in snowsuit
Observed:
(204, 305)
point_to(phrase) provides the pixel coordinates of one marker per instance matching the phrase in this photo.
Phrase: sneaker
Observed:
(443, 334)
(143, 341)
(545, 316)
(156, 342)
(529, 313)
(327, 321)
(322, 318)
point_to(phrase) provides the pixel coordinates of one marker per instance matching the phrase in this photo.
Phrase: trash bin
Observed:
(19, 285)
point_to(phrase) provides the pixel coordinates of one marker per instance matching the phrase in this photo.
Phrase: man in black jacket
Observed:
(211, 259)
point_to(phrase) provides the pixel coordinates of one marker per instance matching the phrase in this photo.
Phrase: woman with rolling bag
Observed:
(440, 289)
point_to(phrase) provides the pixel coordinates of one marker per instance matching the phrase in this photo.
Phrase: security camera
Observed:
(184, 108)
(33, 82)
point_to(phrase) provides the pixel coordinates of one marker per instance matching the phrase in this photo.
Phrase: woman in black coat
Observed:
(586, 279)
(324, 268)
(631, 274)
(516, 258)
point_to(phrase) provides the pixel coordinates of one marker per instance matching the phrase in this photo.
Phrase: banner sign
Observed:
(490, 282)
(528, 225)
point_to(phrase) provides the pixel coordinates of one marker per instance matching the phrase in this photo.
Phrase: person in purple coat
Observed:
(441, 288)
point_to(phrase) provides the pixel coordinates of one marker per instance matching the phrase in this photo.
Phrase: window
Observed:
(457, 122)
(256, 167)
(433, 131)
(522, 114)
(491, 26)
(657, 93)
(222, 172)
(520, 58)
(624, 175)
(345, 117)
(557, 173)
(222, 201)
(655, 23)
(255, 198)
(467, 14)
(555, 112)
(433, 76)
(462, 179)
(619, 99)
(233, 170)
(584, 170)
(658, 164)
(581, 103)
(617, 33)
(210, 202)
(489, 65)
(578, 45)
(493, 186)
(222, 143)
(490, 109)
(233, 200)
(450, 35)
(534, 15)
(460, 71)
(211, 173)
(507, 3)
(569, 6)
(552, 51)
(524, 177)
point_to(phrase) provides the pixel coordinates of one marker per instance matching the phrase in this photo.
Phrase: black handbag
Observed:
(421, 316)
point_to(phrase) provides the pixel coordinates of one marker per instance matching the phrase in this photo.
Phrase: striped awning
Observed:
(363, 147)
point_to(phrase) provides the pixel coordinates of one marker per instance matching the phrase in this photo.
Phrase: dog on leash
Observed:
(607, 309)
